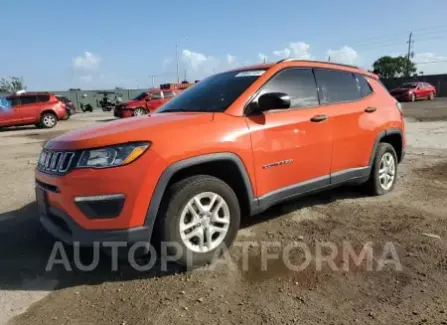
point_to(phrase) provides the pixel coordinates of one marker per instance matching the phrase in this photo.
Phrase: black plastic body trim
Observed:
(189, 162)
(379, 137)
(64, 228)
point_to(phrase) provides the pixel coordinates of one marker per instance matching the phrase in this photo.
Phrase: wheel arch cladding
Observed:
(392, 136)
(226, 166)
(48, 111)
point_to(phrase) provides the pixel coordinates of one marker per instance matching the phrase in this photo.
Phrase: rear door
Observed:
(28, 109)
(351, 107)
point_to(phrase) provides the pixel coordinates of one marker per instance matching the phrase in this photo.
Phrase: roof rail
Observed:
(314, 61)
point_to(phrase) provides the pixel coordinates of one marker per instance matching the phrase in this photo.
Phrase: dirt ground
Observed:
(408, 226)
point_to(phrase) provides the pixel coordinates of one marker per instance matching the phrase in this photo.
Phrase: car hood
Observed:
(399, 90)
(144, 128)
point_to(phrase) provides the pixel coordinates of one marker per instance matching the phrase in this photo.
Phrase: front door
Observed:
(292, 147)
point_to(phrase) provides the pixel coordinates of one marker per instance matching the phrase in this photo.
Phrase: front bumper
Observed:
(62, 227)
(122, 113)
(402, 97)
(79, 205)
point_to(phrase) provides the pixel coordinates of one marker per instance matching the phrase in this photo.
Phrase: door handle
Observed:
(319, 118)
(370, 109)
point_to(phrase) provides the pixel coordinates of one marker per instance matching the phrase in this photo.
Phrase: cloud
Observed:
(345, 55)
(199, 65)
(88, 62)
(231, 59)
(86, 67)
(298, 50)
(430, 63)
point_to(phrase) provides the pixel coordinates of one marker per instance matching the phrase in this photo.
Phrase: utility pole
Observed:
(176, 55)
(152, 76)
(329, 58)
(409, 54)
(185, 75)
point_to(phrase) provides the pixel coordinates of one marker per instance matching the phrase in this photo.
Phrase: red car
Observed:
(39, 108)
(145, 103)
(411, 91)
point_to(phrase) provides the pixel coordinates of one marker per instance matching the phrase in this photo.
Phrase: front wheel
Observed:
(139, 111)
(413, 97)
(200, 218)
(48, 120)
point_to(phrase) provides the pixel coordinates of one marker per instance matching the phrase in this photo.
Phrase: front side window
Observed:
(298, 83)
(213, 94)
(141, 96)
(336, 86)
(26, 100)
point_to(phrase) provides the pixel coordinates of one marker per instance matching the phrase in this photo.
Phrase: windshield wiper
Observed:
(173, 110)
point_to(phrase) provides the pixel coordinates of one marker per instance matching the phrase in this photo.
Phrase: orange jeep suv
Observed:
(235, 144)
(39, 108)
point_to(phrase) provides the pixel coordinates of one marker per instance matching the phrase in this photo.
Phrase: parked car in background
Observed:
(149, 101)
(39, 108)
(69, 106)
(412, 91)
(241, 142)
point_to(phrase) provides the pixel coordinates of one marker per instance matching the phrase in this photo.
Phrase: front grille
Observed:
(55, 161)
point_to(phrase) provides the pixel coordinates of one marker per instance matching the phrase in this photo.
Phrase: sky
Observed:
(93, 44)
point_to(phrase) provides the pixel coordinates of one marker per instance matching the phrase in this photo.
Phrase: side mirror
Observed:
(270, 101)
(148, 98)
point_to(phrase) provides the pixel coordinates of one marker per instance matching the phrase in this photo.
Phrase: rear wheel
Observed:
(384, 171)
(139, 111)
(200, 218)
(48, 120)
(432, 96)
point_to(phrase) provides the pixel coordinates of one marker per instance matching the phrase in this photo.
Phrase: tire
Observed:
(376, 184)
(431, 96)
(413, 97)
(48, 120)
(139, 111)
(174, 211)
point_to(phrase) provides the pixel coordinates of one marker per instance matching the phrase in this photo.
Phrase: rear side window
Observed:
(25, 100)
(156, 95)
(43, 98)
(168, 93)
(299, 84)
(336, 86)
(363, 85)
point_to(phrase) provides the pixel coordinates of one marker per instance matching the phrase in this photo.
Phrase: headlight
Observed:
(112, 156)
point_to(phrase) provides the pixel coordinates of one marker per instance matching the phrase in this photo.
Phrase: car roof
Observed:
(310, 63)
(32, 93)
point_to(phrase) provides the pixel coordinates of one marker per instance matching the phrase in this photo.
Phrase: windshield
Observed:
(141, 96)
(213, 94)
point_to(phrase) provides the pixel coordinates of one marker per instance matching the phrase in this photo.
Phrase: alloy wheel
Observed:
(387, 171)
(204, 222)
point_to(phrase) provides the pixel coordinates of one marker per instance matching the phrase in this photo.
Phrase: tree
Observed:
(12, 84)
(392, 67)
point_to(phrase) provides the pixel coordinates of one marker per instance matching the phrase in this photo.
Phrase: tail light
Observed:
(400, 108)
